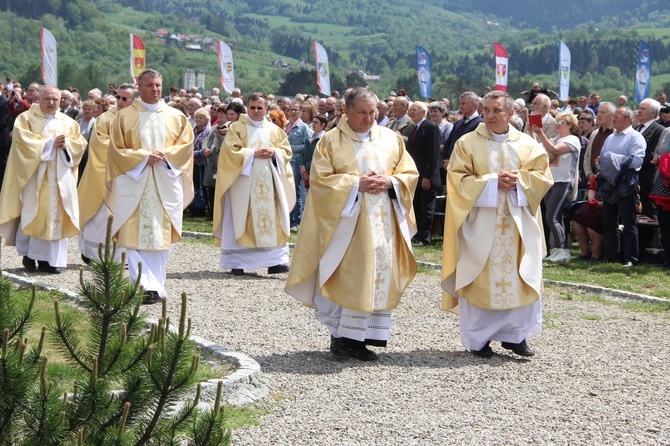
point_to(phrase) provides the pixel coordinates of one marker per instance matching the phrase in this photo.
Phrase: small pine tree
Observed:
(131, 378)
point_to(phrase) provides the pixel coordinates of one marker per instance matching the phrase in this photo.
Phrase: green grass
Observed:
(644, 279)
(57, 366)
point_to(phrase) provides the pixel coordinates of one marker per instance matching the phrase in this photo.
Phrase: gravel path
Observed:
(601, 374)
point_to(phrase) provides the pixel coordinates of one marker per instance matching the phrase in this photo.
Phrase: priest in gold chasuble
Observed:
(493, 242)
(149, 170)
(38, 202)
(353, 258)
(254, 193)
(92, 190)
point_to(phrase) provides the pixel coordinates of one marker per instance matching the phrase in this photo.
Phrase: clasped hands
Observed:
(507, 180)
(59, 141)
(264, 153)
(374, 183)
(155, 157)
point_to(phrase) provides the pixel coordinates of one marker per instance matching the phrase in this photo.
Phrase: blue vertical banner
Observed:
(643, 73)
(423, 72)
(563, 71)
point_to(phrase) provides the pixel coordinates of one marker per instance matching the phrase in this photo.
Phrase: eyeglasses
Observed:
(121, 98)
(294, 109)
(619, 116)
(256, 108)
(559, 122)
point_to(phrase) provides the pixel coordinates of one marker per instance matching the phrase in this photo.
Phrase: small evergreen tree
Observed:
(131, 377)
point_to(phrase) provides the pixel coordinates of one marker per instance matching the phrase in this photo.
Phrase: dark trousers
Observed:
(624, 211)
(664, 226)
(424, 208)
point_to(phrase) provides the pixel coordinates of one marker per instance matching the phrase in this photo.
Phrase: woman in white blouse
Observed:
(563, 154)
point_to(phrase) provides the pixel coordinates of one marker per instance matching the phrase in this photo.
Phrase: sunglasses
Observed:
(121, 98)
(256, 108)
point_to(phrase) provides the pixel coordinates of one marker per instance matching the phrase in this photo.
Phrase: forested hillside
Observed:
(376, 36)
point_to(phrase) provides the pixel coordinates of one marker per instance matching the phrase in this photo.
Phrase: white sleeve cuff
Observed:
(489, 196)
(353, 202)
(48, 150)
(519, 197)
(171, 170)
(136, 172)
(248, 162)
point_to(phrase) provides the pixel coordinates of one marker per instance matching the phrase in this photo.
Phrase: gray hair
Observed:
(63, 93)
(438, 105)
(653, 105)
(96, 92)
(470, 96)
(359, 94)
(497, 94)
(609, 105)
(627, 112)
(421, 105)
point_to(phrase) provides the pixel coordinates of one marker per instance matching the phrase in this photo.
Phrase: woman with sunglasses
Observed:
(563, 154)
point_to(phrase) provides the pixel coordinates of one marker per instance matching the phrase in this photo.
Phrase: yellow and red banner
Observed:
(138, 57)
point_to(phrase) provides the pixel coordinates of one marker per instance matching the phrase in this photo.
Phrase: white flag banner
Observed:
(322, 69)
(49, 58)
(226, 65)
(563, 71)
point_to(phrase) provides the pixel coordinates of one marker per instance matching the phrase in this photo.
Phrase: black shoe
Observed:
(237, 272)
(484, 352)
(151, 297)
(277, 269)
(520, 349)
(85, 259)
(43, 266)
(348, 348)
(29, 264)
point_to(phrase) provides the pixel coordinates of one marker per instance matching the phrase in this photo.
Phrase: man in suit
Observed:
(424, 147)
(647, 115)
(401, 124)
(467, 104)
(67, 105)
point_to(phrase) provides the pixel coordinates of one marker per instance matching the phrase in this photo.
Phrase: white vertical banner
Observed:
(563, 71)
(322, 69)
(49, 58)
(226, 66)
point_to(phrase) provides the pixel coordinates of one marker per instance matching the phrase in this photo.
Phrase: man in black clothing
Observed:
(423, 145)
(467, 104)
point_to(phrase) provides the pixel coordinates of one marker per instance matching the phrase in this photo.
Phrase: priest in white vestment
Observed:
(254, 193)
(38, 202)
(150, 171)
(353, 258)
(494, 242)
(93, 210)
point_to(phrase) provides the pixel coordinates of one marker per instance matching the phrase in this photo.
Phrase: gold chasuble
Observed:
(262, 197)
(41, 195)
(148, 201)
(361, 260)
(92, 189)
(493, 254)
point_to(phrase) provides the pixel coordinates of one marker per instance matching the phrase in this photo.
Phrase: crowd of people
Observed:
(357, 177)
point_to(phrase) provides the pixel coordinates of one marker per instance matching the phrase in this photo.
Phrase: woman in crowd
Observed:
(318, 126)
(86, 125)
(227, 115)
(307, 113)
(587, 224)
(563, 154)
(102, 105)
(200, 132)
(278, 118)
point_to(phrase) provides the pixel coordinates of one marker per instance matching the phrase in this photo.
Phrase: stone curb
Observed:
(604, 292)
(245, 385)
